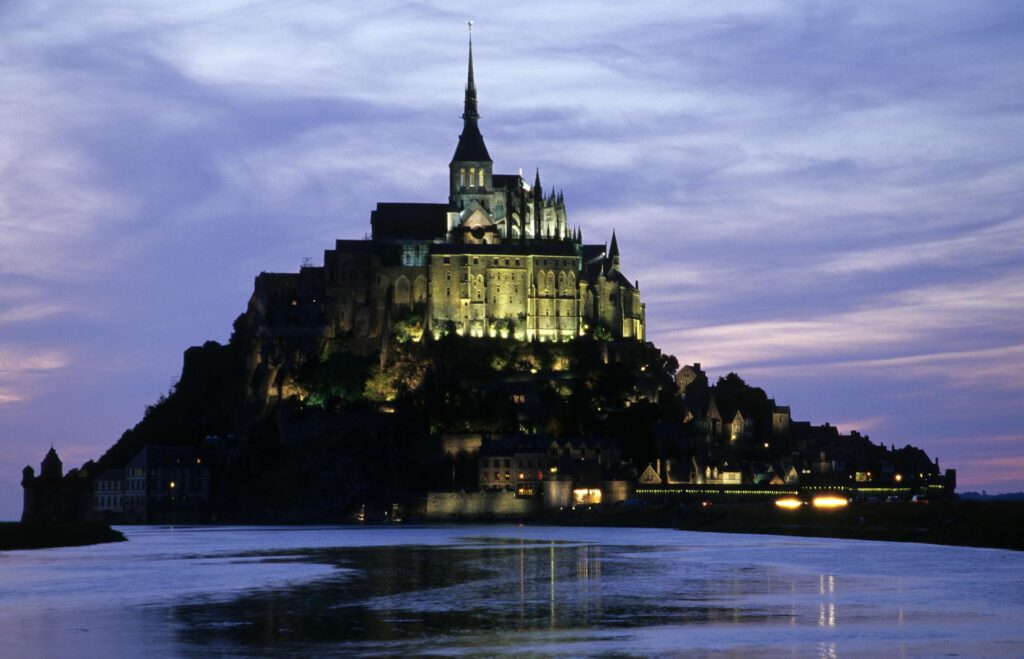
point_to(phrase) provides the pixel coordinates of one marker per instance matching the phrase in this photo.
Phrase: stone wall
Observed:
(446, 505)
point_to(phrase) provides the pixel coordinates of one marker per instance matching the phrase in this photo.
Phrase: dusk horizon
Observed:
(824, 200)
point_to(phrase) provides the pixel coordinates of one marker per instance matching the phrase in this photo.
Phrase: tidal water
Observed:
(485, 590)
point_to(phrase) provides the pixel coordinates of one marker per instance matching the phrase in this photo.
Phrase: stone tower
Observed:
(471, 168)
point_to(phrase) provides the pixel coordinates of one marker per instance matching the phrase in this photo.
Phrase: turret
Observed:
(538, 206)
(52, 468)
(613, 253)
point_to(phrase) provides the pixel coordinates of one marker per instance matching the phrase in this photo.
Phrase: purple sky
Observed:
(825, 198)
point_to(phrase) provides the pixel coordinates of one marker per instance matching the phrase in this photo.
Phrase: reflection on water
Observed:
(827, 608)
(394, 597)
(507, 589)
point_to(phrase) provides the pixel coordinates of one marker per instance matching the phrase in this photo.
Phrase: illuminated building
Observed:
(498, 259)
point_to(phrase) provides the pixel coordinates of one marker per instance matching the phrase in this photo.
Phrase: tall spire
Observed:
(471, 147)
(470, 110)
(613, 252)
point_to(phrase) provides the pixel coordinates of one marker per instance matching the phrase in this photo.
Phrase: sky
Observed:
(824, 197)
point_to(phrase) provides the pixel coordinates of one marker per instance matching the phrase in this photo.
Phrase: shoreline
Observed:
(982, 524)
(16, 536)
(992, 525)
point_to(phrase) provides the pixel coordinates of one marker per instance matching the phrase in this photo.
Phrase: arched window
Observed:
(472, 176)
(402, 290)
(551, 281)
(419, 290)
(462, 177)
(561, 283)
(481, 178)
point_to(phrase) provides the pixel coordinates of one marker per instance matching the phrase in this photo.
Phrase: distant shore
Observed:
(43, 535)
(993, 524)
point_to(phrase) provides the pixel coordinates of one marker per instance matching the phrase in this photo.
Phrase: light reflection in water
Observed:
(827, 609)
(552, 555)
(558, 592)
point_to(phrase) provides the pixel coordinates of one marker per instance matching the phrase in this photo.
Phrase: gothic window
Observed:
(551, 280)
(481, 178)
(561, 282)
(472, 176)
(462, 178)
(402, 290)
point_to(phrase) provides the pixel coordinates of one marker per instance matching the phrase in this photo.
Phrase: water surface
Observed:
(504, 589)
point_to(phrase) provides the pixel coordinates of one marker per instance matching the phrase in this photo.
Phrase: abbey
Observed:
(498, 259)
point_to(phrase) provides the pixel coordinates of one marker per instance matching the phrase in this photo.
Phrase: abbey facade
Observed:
(498, 259)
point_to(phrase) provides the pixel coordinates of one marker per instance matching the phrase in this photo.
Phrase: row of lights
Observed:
(820, 501)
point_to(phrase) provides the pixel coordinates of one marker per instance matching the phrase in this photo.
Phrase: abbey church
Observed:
(498, 259)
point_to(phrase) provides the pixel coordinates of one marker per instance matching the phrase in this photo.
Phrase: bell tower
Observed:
(471, 167)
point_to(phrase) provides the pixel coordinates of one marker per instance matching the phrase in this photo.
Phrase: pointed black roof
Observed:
(471, 145)
(613, 251)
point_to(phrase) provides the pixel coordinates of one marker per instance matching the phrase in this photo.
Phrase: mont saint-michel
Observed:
(472, 358)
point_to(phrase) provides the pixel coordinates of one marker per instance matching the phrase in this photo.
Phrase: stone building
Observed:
(564, 471)
(108, 493)
(498, 259)
(53, 496)
(166, 484)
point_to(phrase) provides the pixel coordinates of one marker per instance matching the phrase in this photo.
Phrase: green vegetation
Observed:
(14, 535)
(493, 385)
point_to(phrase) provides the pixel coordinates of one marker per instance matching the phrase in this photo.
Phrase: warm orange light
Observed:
(829, 501)
(583, 496)
(173, 485)
(899, 477)
(789, 503)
